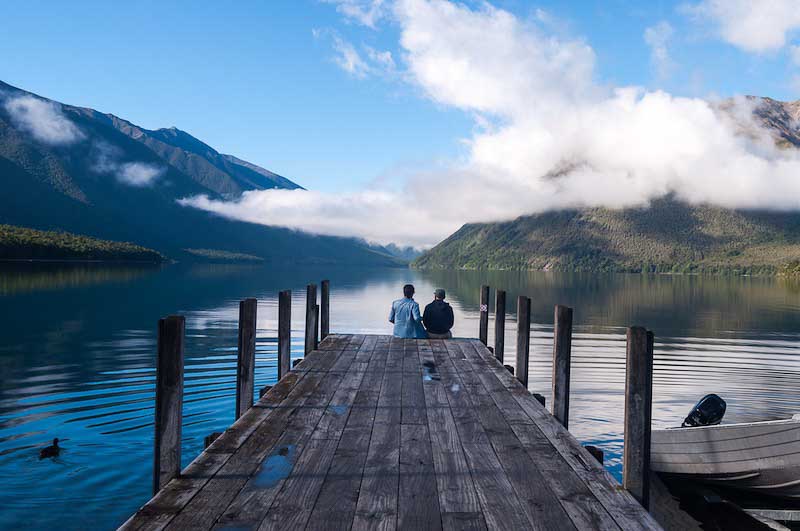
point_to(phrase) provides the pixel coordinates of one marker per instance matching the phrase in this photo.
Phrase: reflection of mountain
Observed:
(669, 304)
(81, 171)
(32, 277)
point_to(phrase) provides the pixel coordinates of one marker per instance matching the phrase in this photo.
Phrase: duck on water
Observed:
(50, 451)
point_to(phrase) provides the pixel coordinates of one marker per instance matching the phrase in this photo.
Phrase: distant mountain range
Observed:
(667, 236)
(85, 172)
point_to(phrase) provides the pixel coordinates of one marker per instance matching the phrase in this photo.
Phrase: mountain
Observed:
(667, 236)
(75, 169)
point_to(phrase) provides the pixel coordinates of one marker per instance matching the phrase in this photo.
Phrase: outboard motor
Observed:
(707, 412)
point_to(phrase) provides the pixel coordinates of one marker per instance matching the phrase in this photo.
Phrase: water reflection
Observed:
(77, 355)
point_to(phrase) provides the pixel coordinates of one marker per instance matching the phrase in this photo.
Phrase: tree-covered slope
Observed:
(23, 243)
(666, 236)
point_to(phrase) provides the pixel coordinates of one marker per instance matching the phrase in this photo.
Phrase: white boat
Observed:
(761, 457)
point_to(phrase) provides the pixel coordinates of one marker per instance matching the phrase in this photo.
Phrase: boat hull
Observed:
(762, 457)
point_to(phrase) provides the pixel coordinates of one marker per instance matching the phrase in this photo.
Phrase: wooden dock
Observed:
(374, 432)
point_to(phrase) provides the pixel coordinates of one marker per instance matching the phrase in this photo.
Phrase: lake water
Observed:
(77, 352)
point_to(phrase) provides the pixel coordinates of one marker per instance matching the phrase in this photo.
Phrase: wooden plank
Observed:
(540, 505)
(336, 504)
(457, 497)
(413, 397)
(169, 400)
(284, 333)
(523, 338)
(170, 500)
(310, 329)
(316, 326)
(499, 324)
(483, 329)
(377, 498)
(246, 356)
(562, 355)
(638, 406)
(627, 513)
(551, 470)
(243, 488)
(325, 309)
(418, 503)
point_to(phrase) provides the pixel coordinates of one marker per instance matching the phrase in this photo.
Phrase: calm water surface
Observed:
(77, 352)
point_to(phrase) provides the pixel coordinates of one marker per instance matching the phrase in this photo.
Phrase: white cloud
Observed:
(657, 38)
(348, 58)
(43, 119)
(365, 12)
(139, 173)
(752, 25)
(106, 159)
(548, 136)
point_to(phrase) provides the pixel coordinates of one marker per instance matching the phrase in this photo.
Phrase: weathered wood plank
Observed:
(284, 333)
(325, 309)
(638, 406)
(562, 360)
(169, 401)
(499, 324)
(523, 338)
(311, 325)
(418, 503)
(483, 328)
(413, 397)
(627, 514)
(246, 356)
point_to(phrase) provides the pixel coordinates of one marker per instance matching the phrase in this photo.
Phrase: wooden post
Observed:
(169, 401)
(523, 338)
(562, 353)
(325, 309)
(483, 332)
(311, 302)
(284, 333)
(499, 324)
(316, 326)
(638, 410)
(246, 361)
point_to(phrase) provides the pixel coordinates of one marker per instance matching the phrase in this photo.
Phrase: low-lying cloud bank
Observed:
(549, 136)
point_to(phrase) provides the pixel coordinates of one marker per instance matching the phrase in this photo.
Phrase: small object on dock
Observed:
(210, 438)
(50, 451)
(596, 452)
(296, 362)
(539, 398)
(264, 390)
(509, 368)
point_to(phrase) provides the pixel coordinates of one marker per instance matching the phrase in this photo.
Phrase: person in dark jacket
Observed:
(438, 317)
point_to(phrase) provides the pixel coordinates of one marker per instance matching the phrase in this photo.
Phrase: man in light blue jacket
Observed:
(405, 316)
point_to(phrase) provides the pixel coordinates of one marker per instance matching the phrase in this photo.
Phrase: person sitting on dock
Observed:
(405, 316)
(438, 317)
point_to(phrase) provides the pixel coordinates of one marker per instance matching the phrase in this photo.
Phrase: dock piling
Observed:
(246, 359)
(562, 354)
(284, 333)
(169, 400)
(311, 302)
(499, 324)
(638, 411)
(325, 309)
(483, 328)
(316, 326)
(523, 338)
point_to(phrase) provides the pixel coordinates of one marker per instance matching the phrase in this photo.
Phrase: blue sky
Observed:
(252, 79)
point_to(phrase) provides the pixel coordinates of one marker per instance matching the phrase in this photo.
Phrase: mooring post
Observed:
(246, 360)
(483, 332)
(562, 353)
(284, 333)
(499, 324)
(325, 309)
(311, 303)
(638, 411)
(523, 338)
(316, 326)
(169, 401)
